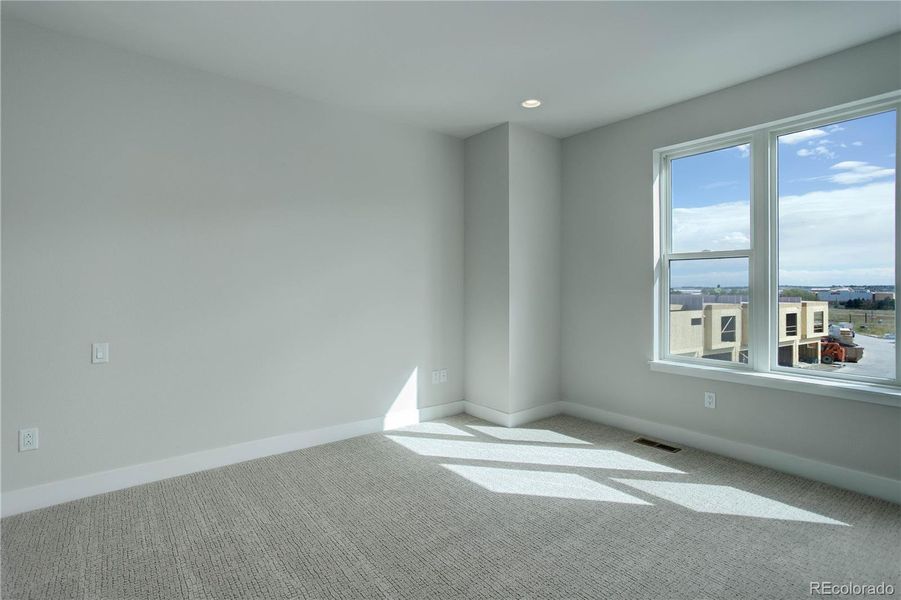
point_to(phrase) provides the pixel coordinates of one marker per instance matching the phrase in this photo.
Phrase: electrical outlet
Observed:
(436, 376)
(28, 439)
(709, 400)
(442, 376)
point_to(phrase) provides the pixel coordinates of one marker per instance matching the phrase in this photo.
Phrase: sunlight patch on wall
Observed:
(405, 408)
(725, 500)
(542, 483)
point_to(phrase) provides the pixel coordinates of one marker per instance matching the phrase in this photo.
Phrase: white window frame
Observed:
(762, 367)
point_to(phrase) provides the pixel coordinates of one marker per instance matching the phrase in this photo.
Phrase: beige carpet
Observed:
(562, 508)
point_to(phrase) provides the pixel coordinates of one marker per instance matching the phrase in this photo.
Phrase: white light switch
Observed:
(100, 352)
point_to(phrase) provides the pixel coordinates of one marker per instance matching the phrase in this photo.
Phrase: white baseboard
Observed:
(57, 492)
(487, 414)
(429, 413)
(515, 419)
(843, 477)
(533, 414)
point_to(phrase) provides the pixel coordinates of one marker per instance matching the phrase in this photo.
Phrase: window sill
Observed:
(864, 392)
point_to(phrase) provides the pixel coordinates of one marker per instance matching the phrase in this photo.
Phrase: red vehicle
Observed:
(831, 352)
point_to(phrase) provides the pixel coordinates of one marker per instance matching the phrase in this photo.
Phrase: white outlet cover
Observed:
(28, 439)
(436, 377)
(710, 399)
(443, 376)
(100, 352)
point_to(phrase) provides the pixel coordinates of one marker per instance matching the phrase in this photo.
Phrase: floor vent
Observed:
(653, 444)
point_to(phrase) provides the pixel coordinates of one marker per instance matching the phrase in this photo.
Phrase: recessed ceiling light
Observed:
(531, 103)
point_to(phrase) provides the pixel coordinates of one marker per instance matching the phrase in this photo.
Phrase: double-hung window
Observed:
(778, 249)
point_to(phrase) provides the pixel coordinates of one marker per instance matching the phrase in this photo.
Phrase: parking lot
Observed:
(878, 359)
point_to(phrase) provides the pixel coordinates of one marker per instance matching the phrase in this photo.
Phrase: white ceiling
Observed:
(461, 67)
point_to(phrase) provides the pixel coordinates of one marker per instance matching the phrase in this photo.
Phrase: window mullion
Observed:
(763, 269)
(897, 240)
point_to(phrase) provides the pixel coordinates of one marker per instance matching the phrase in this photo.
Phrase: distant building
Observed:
(878, 296)
(719, 330)
(842, 294)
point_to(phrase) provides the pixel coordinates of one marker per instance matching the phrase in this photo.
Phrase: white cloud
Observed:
(726, 272)
(802, 136)
(718, 184)
(857, 143)
(848, 164)
(818, 151)
(724, 226)
(834, 128)
(855, 171)
(826, 237)
(744, 150)
(838, 236)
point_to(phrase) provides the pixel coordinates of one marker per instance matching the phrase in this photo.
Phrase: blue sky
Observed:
(808, 160)
(836, 203)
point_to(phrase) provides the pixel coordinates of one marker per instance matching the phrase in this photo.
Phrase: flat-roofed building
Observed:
(719, 331)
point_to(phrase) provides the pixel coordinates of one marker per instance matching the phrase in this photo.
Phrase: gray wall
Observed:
(259, 264)
(608, 273)
(512, 229)
(535, 238)
(487, 272)
(262, 264)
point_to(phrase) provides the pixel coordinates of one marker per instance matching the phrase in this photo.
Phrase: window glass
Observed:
(727, 328)
(818, 322)
(711, 200)
(837, 246)
(709, 309)
(791, 324)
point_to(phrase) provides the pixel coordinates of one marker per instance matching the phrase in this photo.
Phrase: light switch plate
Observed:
(100, 352)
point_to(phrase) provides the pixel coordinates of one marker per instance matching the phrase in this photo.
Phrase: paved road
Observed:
(878, 358)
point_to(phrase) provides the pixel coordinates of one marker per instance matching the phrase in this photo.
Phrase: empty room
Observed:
(477, 300)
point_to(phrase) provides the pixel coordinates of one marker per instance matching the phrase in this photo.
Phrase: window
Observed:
(836, 191)
(818, 321)
(727, 332)
(791, 324)
(709, 271)
(779, 240)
